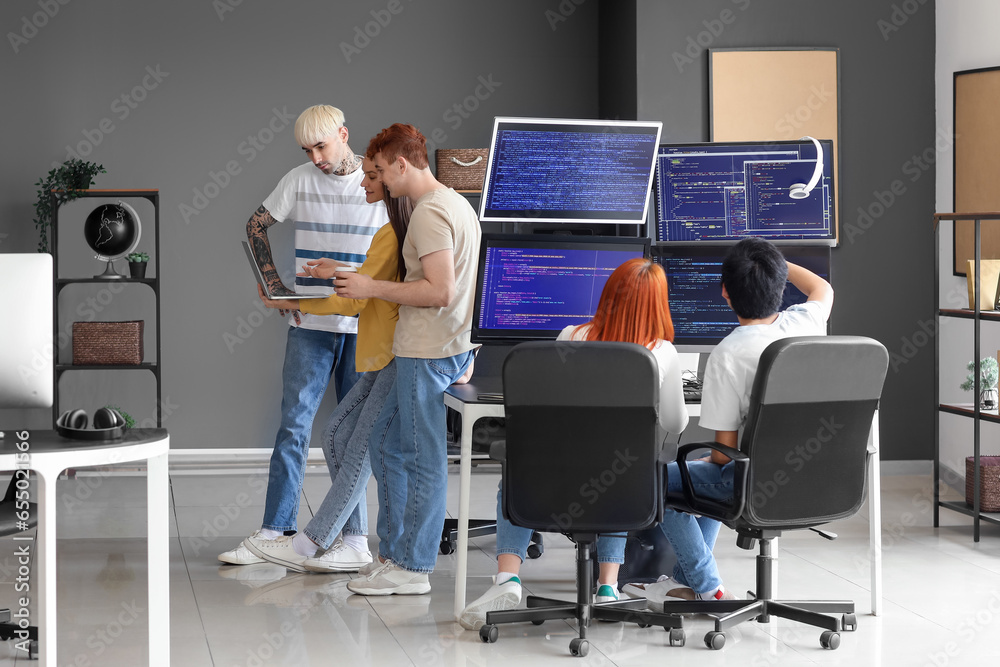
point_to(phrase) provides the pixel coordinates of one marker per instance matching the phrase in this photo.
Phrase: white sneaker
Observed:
(241, 555)
(665, 588)
(365, 570)
(339, 558)
(497, 597)
(278, 551)
(390, 579)
(606, 593)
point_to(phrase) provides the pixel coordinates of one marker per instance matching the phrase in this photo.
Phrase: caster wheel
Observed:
(849, 622)
(489, 634)
(715, 640)
(830, 640)
(579, 647)
(537, 622)
(446, 548)
(643, 624)
(534, 551)
(677, 637)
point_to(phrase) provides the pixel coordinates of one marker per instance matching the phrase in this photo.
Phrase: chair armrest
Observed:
(712, 508)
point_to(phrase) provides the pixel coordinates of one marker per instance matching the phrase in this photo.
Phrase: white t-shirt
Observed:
(672, 414)
(732, 365)
(332, 219)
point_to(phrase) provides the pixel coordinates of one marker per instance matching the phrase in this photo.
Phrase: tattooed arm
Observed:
(257, 235)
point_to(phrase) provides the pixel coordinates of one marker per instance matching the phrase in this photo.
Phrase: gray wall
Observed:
(221, 78)
(882, 271)
(227, 73)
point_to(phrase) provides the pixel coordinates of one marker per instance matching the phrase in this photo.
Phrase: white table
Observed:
(49, 455)
(465, 400)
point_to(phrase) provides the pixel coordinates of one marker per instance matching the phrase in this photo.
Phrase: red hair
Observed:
(398, 140)
(633, 306)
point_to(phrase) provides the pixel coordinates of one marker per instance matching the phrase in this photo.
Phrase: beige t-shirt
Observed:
(442, 220)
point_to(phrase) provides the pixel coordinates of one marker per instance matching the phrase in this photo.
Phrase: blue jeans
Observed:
(513, 539)
(408, 452)
(345, 444)
(691, 537)
(312, 359)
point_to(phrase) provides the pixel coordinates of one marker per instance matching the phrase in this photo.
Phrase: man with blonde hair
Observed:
(325, 201)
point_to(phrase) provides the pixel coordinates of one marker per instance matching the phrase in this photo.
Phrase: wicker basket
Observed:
(989, 482)
(103, 343)
(461, 168)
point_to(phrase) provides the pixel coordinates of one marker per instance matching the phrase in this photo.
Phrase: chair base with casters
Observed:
(584, 610)
(480, 528)
(761, 605)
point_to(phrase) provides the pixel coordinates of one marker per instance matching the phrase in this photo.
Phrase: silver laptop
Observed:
(283, 294)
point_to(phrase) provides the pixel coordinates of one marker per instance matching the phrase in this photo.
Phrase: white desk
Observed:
(465, 400)
(49, 455)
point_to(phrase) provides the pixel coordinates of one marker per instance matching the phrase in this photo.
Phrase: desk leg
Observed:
(47, 633)
(158, 508)
(875, 517)
(464, 493)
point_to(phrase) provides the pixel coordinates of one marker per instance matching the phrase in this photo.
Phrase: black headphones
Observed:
(108, 425)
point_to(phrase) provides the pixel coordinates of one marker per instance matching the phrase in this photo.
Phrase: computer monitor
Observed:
(581, 171)
(532, 287)
(701, 317)
(26, 351)
(722, 192)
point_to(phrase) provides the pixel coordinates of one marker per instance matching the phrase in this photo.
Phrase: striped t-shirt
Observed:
(332, 219)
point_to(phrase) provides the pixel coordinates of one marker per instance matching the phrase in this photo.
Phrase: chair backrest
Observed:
(807, 429)
(581, 445)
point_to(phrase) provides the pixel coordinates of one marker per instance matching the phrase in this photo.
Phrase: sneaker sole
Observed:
(237, 561)
(295, 567)
(403, 589)
(340, 567)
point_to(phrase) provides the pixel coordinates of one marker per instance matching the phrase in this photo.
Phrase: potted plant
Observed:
(988, 375)
(137, 264)
(65, 182)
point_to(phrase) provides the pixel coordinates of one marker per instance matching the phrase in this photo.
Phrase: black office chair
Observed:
(581, 458)
(11, 523)
(802, 462)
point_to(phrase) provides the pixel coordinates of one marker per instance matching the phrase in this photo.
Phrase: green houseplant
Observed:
(988, 376)
(137, 264)
(65, 181)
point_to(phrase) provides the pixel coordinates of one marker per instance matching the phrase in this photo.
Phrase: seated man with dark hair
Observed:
(754, 274)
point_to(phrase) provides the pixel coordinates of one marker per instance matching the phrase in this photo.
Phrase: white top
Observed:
(729, 374)
(672, 414)
(332, 219)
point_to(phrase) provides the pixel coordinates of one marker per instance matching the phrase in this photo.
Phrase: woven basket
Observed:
(100, 343)
(461, 168)
(989, 482)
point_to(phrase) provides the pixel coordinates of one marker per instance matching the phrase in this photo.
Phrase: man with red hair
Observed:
(432, 348)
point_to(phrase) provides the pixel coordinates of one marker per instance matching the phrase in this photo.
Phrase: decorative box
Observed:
(102, 343)
(462, 168)
(989, 482)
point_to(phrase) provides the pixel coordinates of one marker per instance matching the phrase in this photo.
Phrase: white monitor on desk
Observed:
(26, 351)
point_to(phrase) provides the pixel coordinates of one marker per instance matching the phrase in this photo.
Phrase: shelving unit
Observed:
(153, 196)
(969, 410)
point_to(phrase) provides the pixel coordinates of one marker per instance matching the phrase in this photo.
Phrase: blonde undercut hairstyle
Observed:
(316, 123)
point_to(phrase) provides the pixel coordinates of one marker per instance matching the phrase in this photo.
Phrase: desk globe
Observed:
(112, 231)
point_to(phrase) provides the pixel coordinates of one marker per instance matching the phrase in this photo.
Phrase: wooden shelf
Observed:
(145, 366)
(967, 410)
(969, 314)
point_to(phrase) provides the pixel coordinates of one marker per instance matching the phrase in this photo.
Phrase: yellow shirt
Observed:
(376, 318)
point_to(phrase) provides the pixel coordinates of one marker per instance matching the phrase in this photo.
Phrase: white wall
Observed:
(966, 39)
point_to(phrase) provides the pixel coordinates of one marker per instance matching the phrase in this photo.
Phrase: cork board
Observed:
(776, 94)
(977, 161)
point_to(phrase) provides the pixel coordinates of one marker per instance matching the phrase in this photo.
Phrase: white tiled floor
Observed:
(942, 590)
